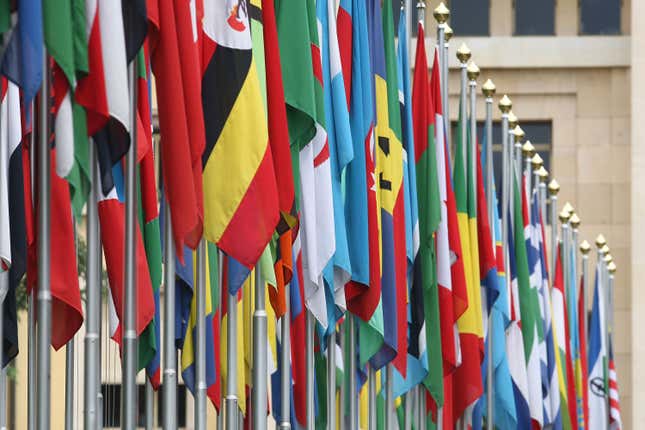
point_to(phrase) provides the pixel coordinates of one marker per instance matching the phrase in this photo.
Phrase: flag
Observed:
(391, 179)
(615, 422)
(417, 357)
(279, 144)
(302, 73)
(363, 292)
(498, 309)
(64, 32)
(598, 358)
(22, 61)
(584, 366)
(468, 375)
(13, 235)
(174, 60)
(430, 209)
(341, 151)
(560, 339)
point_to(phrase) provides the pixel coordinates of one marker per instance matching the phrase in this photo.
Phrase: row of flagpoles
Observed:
(415, 283)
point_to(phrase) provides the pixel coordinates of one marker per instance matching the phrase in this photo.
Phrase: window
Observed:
(600, 16)
(534, 18)
(470, 17)
(112, 405)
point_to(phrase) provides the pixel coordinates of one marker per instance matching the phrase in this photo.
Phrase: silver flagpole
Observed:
(170, 353)
(445, 96)
(331, 381)
(584, 250)
(231, 363)
(222, 290)
(566, 243)
(44, 287)
(371, 391)
(603, 250)
(528, 151)
(309, 359)
(505, 106)
(31, 309)
(259, 394)
(409, 399)
(489, 91)
(512, 123)
(567, 268)
(611, 270)
(130, 356)
(463, 55)
(69, 388)
(473, 73)
(518, 135)
(542, 176)
(93, 295)
(285, 361)
(441, 14)
(536, 165)
(422, 410)
(342, 395)
(352, 395)
(554, 188)
(574, 221)
(389, 396)
(150, 404)
(200, 359)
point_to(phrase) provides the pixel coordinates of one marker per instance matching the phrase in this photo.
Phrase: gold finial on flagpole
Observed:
(528, 150)
(463, 53)
(554, 187)
(518, 133)
(473, 71)
(512, 121)
(542, 174)
(611, 267)
(608, 258)
(564, 216)
(574, 220)
(605, 249)
(505, 104)
(441, 13)
(536, 161)
(568, 207)
(600, 241)
(488, 88)
(585, 247)
(448, 33)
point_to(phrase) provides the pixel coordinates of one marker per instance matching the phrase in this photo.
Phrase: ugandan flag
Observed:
(241, 197)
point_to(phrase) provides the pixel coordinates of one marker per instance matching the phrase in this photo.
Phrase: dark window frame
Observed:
(527, 22)
(589, 10)
(481, 18)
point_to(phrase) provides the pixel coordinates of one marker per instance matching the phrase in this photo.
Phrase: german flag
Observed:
(241, 197)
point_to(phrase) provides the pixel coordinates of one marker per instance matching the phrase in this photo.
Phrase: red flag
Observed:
(582, 316)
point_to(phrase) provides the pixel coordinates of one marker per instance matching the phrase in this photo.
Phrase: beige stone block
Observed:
(623, 331)
(594, 203)
(620, 92)
(564, 133)
(566, 18)
(622, 290)
(593, 131)
(621, 203)
(502, 18)
(594, 89)
(618, 236)
(564, 165)
(620, 132)
(624, 371)
(593, 164)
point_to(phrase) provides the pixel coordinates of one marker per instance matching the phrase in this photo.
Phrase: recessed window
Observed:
(534, 18)
(600, 17)
(470, 17)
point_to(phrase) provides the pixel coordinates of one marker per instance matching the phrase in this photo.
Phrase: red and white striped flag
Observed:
(615, 422)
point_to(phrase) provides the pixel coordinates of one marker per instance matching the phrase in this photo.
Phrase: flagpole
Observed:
(554, 188)
(222, 290)
(371, 391)
(441, 14)
(130, 357)
(543, 175)
(69, 388)
(352, 395)
(472, 71)
(231, 363)
(505, 106)
(331, 380)
(584, 250)
(44, 287)
(170, 354)
(611, 269)
(389, 396)
(518, 135)
(489, 91)
(259, 400)
(285, 361)
(309, 358)
(422, 410)
(566, 237)
(574, 221)
(536, 164)
(512, 123)
(31, 303)
(463, 55)
(447, 34)
(409, 399)
(528, 151)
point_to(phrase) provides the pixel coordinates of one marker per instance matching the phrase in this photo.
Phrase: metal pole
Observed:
(584, 250)
(445, 96)
(389, 396)
(150, 405)
(441, 14)
(527, 151)
(200, 359)
(463, 54)
(44, 287)
(473, 74)
(31, 310)
(170, 353)
(371, 393)
(223, 290)
(309, 353)
(93, 295)
(99, 406)
(69, 388)
(231, 364)
(505, 106)
(409, 399)
(352, 395)
(554, 188)
(259, 400)
(542, 191)
(331, 380)
(342, 395)
(285, 369)
(518, 135)
(489, 91)
(130, 356)
(422, 411)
